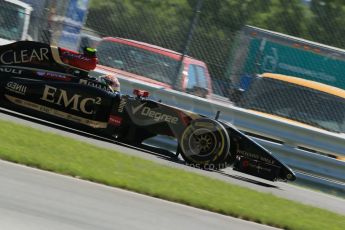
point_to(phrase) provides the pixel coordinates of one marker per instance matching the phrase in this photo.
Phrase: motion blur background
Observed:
(226, 34)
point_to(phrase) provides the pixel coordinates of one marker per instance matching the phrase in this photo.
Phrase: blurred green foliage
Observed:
(167, 23)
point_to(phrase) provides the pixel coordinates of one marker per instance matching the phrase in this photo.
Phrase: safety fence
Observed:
(302, 40)
(314, 153)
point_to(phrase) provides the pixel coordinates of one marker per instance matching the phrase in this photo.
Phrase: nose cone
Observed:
(291, 176)
(287, 174)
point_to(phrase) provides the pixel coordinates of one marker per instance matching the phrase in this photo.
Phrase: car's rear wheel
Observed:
(205, 143)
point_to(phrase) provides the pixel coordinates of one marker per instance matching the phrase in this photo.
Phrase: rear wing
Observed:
(29, 54)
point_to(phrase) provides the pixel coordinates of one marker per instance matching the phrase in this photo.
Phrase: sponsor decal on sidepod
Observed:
(75, 102)
(157, 116)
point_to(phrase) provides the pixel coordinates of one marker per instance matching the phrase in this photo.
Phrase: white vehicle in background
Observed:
(14, 21)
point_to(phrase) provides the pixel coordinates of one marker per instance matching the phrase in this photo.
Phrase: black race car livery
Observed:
(54, 84)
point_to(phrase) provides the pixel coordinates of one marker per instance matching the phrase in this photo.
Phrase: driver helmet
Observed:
(113, 82)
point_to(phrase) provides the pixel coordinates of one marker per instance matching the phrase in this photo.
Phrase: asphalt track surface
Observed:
(32, 199)
(280, 189)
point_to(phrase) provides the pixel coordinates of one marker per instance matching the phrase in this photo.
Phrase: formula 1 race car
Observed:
(54, 84)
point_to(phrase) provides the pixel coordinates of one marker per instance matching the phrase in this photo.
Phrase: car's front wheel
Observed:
(205, 143)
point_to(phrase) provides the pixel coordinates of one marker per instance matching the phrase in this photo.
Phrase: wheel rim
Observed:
(202, 142)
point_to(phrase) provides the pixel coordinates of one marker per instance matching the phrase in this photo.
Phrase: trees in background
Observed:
(328, 22)
(167, 23)
(163, 23)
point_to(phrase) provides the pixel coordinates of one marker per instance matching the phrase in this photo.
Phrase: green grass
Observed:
(66, 156)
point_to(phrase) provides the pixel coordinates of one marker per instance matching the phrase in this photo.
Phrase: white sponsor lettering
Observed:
(157, 116)
(10, 57)
(93, 84)
(256, 156)
(16, 88)
(10, 70)
(247, 154)
(75, 102)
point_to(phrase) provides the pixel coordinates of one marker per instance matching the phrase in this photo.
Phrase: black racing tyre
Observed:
(205, 143)
(231, 158)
